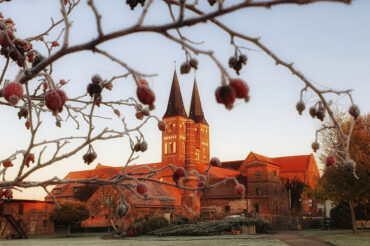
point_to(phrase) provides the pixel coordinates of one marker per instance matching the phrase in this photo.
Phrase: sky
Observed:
(328, 43)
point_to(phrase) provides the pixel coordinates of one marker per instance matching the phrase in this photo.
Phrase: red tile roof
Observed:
(296, 163)
(234, 165)
(256, 157)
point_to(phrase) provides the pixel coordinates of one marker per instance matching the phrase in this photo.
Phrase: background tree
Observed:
(337, 184)
(69, 213)
(85, 192)
(296, 188)
(34, 92)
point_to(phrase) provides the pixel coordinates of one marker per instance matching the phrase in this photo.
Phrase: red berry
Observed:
(55, 99)
(175, 178)
(240, 189)
(13, 92)
(8, 193)
(215, 162)
(31, 57)
(27, 124)
(62, 82)
(108, 86)
(240, 87)
(145, 95)
(30, 158)
(330, 160)
(180, 172)
(117, 112)
(162, 126)
(226, 95)
(143, 82)
(141, 188)
(45, 85)
(54, 44)
(7, 163)
(4, 42)
(139, 115)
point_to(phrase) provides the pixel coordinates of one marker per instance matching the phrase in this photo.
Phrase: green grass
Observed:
(91, 239)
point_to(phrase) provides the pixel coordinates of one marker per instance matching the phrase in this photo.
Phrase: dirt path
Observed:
(292, 239)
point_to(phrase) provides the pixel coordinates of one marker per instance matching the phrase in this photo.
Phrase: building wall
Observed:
(219, 208)
(34, 216)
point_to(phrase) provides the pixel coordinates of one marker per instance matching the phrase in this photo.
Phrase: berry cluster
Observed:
(212, 2)
(215, 162)
(202, 181)
(95, 88)
(188, 65)
(317, 111)
(55, 100)
(239, 189)
(134, 3)
(30, 158)
(141, 146)
(142, 189)
(226, 94)
(177, 174)
(141, 112)
(6, 194)
(145, 94)
(12, 92)
(7, 163)
(90, 156)
(237, 63)
(15, 48)
(354, 110)
(122, 208)
(315, 146)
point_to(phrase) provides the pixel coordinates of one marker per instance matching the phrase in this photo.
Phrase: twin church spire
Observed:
(176, 107)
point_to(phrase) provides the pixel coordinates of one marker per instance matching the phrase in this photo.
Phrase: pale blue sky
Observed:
(329, 43)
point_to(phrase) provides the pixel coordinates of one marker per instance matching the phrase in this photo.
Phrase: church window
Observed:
(258, 191)
(227, 209)
(76, 189)
(174, 148)
(256, 208)
(170, 148)
(258, 173)
(165, 148)
(57, 191)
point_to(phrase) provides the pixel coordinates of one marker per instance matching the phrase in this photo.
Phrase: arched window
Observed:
(170, 148)
(258, 191)
(174, 148)
(165, 148)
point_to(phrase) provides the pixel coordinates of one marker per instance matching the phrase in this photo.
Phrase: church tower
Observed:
(173, 139)
(201, 128)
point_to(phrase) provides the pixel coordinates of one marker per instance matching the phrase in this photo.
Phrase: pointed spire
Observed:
(196, 111)
(175, 105)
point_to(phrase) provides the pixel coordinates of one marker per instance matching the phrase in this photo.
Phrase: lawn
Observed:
(339, 237)
(94, 239)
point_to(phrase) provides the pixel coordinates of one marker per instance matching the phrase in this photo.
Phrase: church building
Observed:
(185, 143)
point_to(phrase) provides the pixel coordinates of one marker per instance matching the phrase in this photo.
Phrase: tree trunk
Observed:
(353, 216)
(69, 230)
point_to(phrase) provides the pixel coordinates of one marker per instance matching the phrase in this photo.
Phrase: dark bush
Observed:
(157, 222)
(180, 221)
(340, 217)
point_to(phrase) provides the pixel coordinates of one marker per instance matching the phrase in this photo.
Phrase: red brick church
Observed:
(185, 143)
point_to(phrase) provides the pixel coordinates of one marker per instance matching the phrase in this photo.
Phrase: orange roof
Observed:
(234, 165)
(256, 157)
(296, 163)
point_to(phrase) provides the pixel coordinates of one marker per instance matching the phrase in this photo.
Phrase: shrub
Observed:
(157, 222)
(180, 221)
(340, 217)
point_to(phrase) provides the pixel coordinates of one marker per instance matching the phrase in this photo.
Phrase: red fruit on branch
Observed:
(330, 160)
(175, 178)
(55, 44)
(226, 95)
(239, 189)
(27, 124)
(4, 42)
(7, 163)
(162, 126)
(117, 112)
(215, 162)
(180, 172)
(143, 82)
(141, 188)
(241, 88)
(145, 95)
(13, 92)
(55, 99)
(30, 158)
(30, 57)
(8, 193)
(139, 115)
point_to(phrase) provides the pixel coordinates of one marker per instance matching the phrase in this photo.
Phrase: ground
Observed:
(304, 238)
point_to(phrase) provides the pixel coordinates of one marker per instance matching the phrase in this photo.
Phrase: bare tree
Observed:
(34, 93)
